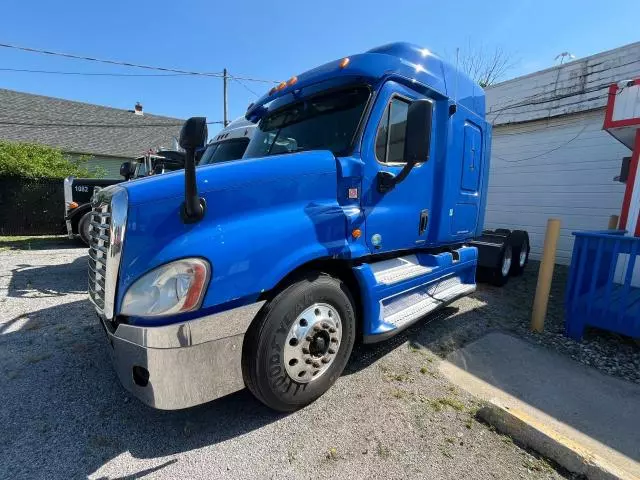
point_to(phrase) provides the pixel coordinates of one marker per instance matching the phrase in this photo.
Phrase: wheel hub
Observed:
(312, 342)
(319, 345)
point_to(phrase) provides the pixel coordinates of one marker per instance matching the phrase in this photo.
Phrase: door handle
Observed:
(424, 220)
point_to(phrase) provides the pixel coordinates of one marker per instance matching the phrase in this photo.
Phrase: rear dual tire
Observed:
(521, 249)
(500, 274)
(300, 342)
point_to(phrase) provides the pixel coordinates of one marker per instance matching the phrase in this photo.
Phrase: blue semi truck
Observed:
(356, 210)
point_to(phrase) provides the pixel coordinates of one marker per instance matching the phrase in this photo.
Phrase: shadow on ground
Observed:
(47, 242)
(50, 280)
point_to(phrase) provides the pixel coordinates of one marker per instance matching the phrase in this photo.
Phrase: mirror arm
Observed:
(405, 171)
(193, 208)
(387, 180)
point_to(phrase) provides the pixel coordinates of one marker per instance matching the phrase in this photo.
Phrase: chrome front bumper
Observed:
(182, 365)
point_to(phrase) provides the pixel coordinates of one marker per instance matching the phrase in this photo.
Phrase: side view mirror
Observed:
(126, 170)
(194, 133)
(417, 143)
(193, 136)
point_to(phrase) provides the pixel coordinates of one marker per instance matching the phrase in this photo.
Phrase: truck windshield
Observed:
(324, 122)
(141, 169)
(224, 151)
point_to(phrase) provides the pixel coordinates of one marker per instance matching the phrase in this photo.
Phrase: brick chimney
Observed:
(138, 109)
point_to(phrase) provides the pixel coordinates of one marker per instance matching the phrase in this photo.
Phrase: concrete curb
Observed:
(528, 431)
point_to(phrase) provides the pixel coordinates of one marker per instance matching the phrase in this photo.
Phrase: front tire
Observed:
(300, 343)
(83, 227)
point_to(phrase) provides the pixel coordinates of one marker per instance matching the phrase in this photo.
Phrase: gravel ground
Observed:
(64, 414)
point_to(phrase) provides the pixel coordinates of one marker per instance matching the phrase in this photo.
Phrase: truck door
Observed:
(397, 219)
(465, 219)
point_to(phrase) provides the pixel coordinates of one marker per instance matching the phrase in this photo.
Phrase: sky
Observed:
(274, 41)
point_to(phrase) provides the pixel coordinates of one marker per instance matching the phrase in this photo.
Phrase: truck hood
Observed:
(231, 175)
(254, 210)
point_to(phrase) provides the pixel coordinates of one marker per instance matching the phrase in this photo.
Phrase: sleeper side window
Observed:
(392, 132)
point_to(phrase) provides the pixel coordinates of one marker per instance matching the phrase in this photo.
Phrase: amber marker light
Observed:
(344, 62)
(357, 233)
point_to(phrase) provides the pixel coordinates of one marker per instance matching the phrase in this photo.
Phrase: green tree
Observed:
(38, 161)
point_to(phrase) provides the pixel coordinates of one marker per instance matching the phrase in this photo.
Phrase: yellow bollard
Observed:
(613, 222)
(545, 275)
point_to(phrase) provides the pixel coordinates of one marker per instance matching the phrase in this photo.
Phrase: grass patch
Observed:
(446, 452)
(382, 451)
(537, 465)
(31, 243)
(439, 404)
(475, 408)
(400, 377)
(383, 368)
(391, 376)
(401, 394)
(425, 370)
(38, 358)
(332, 454)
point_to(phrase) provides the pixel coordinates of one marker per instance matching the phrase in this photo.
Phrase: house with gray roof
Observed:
(108, 135)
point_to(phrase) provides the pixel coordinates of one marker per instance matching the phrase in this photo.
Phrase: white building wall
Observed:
(550, 156)
(561, 167)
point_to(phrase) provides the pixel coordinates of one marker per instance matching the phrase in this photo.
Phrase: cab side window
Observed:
(392, 132)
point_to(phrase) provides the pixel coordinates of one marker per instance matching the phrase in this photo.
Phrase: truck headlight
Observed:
(173, 288)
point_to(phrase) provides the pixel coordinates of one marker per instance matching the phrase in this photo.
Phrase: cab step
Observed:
(406, 308)
(398, 292)
(388, 272)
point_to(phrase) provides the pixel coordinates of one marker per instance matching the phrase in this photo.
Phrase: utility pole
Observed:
(224, 93)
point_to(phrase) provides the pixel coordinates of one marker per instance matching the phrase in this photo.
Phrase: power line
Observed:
(544, 153)
(127, 64)
(90, 74)
(246, 87)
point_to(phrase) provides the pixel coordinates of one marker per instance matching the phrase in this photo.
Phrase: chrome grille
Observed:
(98, 253)
(107, 228)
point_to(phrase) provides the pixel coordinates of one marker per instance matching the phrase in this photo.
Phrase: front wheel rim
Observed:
(312, 343)
(506, 262)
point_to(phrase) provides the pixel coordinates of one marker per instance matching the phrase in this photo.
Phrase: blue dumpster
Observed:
(602, 291)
